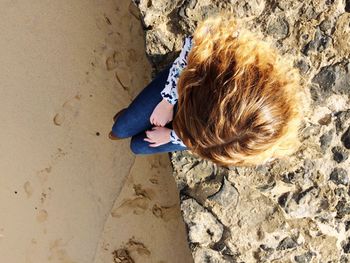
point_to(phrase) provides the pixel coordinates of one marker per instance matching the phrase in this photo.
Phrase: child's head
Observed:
(238, 99)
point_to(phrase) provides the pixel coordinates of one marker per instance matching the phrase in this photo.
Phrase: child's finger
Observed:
(148, 140)
(148, 134)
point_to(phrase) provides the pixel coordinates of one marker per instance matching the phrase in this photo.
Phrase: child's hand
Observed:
(162, 113)
(158, 136)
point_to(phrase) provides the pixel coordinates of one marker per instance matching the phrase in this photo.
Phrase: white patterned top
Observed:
(170, 91)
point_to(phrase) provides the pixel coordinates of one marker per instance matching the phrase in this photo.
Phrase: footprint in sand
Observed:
(28, 189)
(133, 56)
(46, 194)
(112, 60)
(144, 192)
(154, 180)
(122, 255)
(58, 252)
(137, 246)
(138, 204)
(157, 163)
(115, 60)
(104, 23)
(69, 110)
(44, 174)
(134, 11)
(166, 212)
(123, 77)
(42, 216)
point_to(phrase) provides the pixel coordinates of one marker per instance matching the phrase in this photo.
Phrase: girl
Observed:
(228, 97)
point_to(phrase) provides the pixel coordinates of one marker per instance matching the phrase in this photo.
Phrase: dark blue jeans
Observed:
(134, 121)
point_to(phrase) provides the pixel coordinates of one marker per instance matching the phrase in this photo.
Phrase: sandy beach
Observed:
(67, 193)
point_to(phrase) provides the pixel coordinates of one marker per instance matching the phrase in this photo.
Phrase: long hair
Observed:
(238, 98)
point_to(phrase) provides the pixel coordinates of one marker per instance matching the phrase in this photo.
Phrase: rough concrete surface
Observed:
(288, 211)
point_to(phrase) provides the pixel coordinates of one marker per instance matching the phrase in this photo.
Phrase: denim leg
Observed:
(134, 121)
(139, 146)
(135, 118)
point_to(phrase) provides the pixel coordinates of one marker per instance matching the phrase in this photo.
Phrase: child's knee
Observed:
(138, 147)
(135, 146)
(119, 131)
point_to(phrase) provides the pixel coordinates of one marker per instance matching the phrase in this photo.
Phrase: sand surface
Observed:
(67, 67)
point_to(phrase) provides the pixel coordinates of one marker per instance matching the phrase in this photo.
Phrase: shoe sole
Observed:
(113, 137)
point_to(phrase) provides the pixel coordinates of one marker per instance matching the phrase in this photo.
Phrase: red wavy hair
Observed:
(238, 98)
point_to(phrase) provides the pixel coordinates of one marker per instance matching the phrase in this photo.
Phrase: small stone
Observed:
(305, 36)
(340, 192)
(344, 259)
(346, 246)
(334, 78)
(347, 6)
(325, 120)
(278, 27)
(343, 208)
(308, 12)
(203, 227)
(282, 200)
(326, 139)
(316, 93)
(326, 25)
(339, 154)
(324, 204)
(224, 202)
(311, 129)
(303, 66)
(347, 225)
(345, 138)
(319, 43)
(342, 83)
(339, 176)
(301, 195)
(304, 258)
(341, 119)
(287, 243)
(325, 79)
(264, 253)
(208, 255)
(288, 178)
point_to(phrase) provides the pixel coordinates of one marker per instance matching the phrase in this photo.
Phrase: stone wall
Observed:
(288, 211)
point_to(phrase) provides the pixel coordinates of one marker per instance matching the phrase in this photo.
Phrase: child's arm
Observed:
(176, 140)
(170, 90)
(169, 93)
